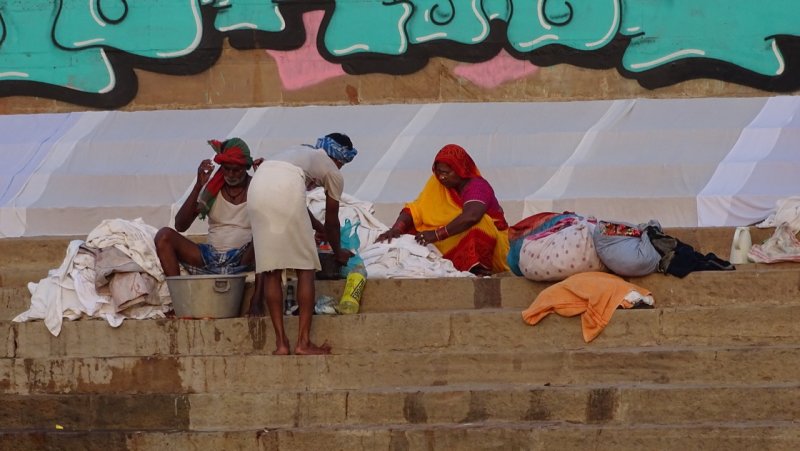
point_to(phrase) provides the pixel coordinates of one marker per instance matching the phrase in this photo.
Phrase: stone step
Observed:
(432, 331)
(51, 249)
(611, 405)
(752, 284)
(28, 259)
(499, 436)
(19, 276)
(236, 374)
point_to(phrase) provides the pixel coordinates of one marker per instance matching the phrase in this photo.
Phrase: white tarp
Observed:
(687, 162)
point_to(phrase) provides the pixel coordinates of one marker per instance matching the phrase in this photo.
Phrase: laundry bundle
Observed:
(560, 252)
(114, 275)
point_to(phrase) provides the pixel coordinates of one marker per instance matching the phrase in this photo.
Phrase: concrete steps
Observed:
(432, 332)
(764, 285)
(238, 373)
(438, 364)
(771, 435)
(616, 405)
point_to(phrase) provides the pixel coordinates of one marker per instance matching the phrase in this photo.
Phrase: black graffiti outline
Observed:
(553, 22)
(122, 65)
(5, 29)
(449, 19)
(108, 19)
(415, 59)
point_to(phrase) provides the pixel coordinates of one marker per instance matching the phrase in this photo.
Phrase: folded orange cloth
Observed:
(593, 295)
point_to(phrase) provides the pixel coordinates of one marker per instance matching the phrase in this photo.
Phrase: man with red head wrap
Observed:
(222, 199)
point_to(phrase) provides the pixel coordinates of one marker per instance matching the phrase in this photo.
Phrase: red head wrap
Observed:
(231, 151)
(458, 159)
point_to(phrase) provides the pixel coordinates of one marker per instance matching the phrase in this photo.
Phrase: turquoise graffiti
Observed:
(741, 32)
(86, 51)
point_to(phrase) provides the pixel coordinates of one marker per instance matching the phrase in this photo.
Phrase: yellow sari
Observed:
(482, 244)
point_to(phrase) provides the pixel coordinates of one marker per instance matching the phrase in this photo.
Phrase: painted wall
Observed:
(143, 54)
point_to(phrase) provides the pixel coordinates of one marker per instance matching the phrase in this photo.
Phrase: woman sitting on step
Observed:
(457, 212)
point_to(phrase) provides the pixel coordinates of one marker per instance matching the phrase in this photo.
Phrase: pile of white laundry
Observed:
(114, 274)
(402, 258)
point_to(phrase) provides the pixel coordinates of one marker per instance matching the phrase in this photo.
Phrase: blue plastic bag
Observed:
(350, 241)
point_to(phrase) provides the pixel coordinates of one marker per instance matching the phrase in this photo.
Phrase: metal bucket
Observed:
(207, 296)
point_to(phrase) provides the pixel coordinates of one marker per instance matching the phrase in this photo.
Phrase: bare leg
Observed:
(248, 256)
(273, 292)
(305, 300)
(173, 248)
(257, 301)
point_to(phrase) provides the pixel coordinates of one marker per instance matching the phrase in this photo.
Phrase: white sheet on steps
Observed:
(402, 258)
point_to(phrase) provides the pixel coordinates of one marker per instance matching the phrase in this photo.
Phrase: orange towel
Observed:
(593, 295)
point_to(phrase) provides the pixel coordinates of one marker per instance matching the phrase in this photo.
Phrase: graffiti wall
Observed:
(92, 53)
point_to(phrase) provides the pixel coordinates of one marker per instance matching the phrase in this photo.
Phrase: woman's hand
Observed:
(388, 235)
(426, 237)
(204, 171)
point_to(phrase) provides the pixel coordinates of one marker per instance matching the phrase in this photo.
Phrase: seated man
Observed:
(223, 199)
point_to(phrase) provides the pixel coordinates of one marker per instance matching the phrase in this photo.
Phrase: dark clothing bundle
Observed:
(679, 258)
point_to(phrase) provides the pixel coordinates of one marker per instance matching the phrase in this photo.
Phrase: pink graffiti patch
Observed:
(498, 70)
(305, 67)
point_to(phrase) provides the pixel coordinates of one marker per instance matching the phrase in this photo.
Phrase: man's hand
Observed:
(256, 163)
(204, 171)
(343, 256)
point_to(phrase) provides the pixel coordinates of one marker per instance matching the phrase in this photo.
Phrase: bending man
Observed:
(283, 235)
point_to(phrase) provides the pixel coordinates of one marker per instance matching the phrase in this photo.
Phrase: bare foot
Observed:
(312, 349)
(282, 348)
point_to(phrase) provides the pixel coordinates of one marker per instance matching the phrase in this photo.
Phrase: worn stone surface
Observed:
(95, 412)
(429, 364)
(500, 436)
(524, 436)
(434, 331)
(218, 374)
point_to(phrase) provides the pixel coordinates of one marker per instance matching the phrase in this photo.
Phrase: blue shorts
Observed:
(215, 262)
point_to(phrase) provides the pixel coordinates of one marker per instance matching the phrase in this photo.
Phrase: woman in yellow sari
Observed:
(457, 212)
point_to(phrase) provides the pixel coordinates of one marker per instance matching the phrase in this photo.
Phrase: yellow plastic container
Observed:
(353, 289)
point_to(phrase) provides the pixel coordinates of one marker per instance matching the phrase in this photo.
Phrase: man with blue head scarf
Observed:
(283, 234)
(332, 145)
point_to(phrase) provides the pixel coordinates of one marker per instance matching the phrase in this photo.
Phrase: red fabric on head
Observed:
(231, 151)
(232, 155)
(458, 159)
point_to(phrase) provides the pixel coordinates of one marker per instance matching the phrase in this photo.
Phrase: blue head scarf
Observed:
(335, 150)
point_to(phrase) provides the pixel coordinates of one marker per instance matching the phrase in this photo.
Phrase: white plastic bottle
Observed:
(290, 304)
